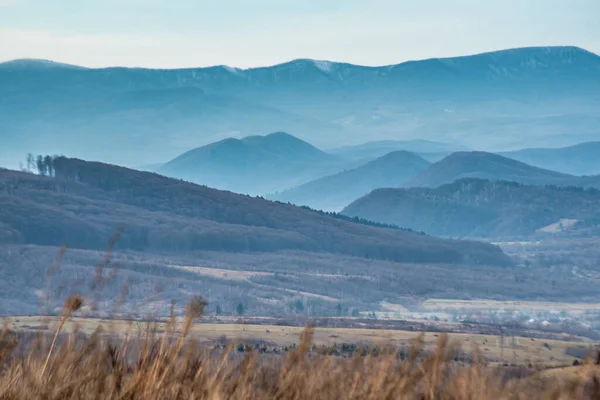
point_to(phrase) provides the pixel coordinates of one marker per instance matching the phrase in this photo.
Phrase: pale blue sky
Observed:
(244, 33)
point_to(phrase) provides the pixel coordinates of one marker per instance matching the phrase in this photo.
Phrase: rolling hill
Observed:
(580, 159)
(479, 208)
(83, 205)
(334, 192)
(133, 116)
(253, 165)
(479, 164)
(376, 149)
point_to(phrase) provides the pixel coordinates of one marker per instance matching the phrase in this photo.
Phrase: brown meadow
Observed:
(171, 364)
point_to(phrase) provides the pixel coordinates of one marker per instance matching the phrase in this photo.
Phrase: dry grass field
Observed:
(168, 361)
(513, 350)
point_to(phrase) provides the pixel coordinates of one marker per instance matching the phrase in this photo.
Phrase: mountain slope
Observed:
(478, 164)
(372, 150)
(580, 159)
(253, 165)
(288, 146)
(481, 208)
(334, 192)
(26, 63)
(506, 99)
(87, 201)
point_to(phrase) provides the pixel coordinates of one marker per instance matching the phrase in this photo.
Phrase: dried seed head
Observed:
(195, 308)
(73, 304)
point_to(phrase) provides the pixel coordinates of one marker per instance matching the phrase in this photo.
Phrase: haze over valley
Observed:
(259, 199)
(307, 189)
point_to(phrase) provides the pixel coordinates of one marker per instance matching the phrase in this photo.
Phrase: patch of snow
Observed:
(36, 63)
(324, 66)
(232, 70)
(562, 225)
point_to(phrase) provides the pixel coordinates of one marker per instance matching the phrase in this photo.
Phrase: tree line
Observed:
(41, 165)
(56, 166)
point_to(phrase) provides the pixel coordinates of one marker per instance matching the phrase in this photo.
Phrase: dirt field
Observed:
(517, 350)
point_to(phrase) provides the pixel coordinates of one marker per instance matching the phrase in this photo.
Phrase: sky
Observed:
(249, 33)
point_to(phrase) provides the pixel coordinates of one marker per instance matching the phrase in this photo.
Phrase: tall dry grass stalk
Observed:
(72, 304)
(169, 364)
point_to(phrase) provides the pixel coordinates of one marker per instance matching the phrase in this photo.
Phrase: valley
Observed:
(299, 200)
(299, 284)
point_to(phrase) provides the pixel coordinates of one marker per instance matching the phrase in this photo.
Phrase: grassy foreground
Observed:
(169, 364)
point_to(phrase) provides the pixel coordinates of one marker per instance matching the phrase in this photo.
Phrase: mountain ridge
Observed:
(578, 159)
(378, 148)
(497, 53)
(491, 166)
(479, 208)
(334, 192)
(254, 164)
(491, 101)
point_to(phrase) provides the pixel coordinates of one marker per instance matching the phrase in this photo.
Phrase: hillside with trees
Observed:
(80, 204)
(479, 208)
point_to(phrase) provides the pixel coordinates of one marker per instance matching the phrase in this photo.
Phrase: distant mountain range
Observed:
(479, 164)
(84, 204)
(580, 159)
(285, 168)
(253, 165)
(132, 116)
(476, 208)
(334, 192)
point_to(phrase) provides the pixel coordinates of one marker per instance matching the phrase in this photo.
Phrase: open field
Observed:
(275, 284)
(517, 350)
(534, 306)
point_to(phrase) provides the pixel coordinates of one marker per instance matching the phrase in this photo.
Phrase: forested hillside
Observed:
(82, 204)
(481, 208)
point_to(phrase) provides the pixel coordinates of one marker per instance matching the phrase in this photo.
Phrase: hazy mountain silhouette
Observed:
(86, 201)
(501, 100)
(580, 159)
(483, 209)
(479, 164)
(253, 165)
(334, 192)
(375, 149)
